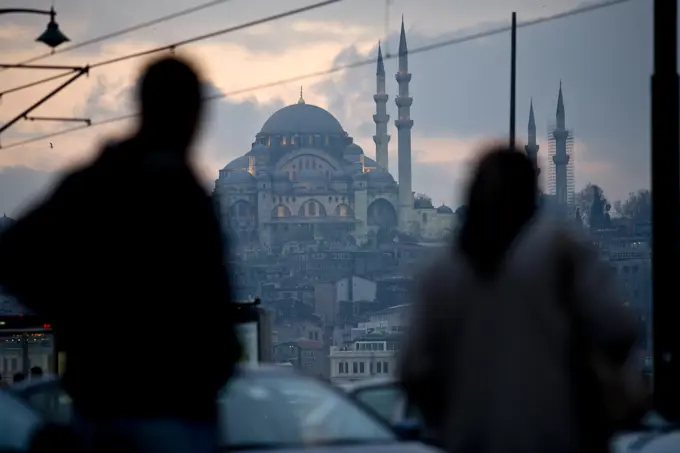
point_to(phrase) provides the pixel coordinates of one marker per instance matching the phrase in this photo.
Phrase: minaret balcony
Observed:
(379, 139)
(403, 124)
(381, 118)
(381, 97)
(403, 101)
(560, 134)
(403, 77)
(561, 160)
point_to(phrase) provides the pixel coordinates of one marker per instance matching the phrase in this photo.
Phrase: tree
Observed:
(422, 200)
(593, 206)
(637, 207)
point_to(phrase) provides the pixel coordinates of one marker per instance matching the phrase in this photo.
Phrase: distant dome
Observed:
(379, 175)
(443, 209)
(239, 177)
(353, 148)
(6, 222)
(238, 163)
(311, 174)
(302, 119)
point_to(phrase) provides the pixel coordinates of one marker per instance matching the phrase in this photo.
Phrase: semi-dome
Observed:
(379, 175)
(443, 209)
(238, 163)
(280, 176)
(302, 119)
(353, 148)
(311, 175)
(239, 177)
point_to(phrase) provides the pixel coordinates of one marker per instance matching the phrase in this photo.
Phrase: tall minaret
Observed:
(561, 158)
(404, 124)
(532, 147)
(381, 118)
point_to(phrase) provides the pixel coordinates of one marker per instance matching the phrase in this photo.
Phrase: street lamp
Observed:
(52, 36)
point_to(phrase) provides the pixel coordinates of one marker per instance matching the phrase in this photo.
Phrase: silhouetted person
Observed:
(18, 377)
(498, 353)
(36, 372)
(126, 258)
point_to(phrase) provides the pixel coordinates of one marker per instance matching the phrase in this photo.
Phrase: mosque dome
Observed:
(302, 119)
(379, 175)
(443, 209)
(240, 177)
(353, 148)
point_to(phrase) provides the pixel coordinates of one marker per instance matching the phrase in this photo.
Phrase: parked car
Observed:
(267, 408)
(386, 398)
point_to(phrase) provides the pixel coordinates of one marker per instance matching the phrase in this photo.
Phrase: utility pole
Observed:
(513, 74)
(665, 209)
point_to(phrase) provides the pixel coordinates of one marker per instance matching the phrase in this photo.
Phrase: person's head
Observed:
(18, 377)
(170, 96)
(36, 372)
(502, 197)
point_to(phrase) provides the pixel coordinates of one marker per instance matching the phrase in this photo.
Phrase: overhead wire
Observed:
(353, 65)
(184, 42)
(123, 31)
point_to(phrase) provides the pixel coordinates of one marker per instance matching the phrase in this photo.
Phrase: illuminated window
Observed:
(269, 141)
(292, 140)
(283, 140)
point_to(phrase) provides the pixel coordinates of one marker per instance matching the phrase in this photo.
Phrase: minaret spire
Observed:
(381, 118)
(301, 100)
(404, 125)
(560, 117)
(532, 146)
(561, 157)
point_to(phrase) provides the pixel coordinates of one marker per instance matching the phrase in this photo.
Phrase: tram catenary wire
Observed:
(123, 31)
(184, 42)
(339, 68)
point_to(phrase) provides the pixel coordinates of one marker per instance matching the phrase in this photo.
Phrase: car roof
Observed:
(368, 383)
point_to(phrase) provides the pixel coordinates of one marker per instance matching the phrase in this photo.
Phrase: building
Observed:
(369, 356)
(305, 179)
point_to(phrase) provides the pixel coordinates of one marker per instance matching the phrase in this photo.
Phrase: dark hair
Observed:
(502, 198)
(18, 377)
(36, 371)
(170, 94)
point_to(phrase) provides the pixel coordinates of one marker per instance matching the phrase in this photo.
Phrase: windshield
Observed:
(282, 411)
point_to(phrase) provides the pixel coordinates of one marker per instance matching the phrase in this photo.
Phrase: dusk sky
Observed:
(461, 92)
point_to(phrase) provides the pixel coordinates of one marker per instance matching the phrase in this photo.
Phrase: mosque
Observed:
(304, 178)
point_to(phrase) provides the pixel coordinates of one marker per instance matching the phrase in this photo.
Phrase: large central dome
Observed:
(302, 119)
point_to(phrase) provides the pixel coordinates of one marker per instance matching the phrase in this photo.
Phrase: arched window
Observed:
(312, 209)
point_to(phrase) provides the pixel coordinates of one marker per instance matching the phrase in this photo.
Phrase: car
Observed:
(385, 397)
(266, 408)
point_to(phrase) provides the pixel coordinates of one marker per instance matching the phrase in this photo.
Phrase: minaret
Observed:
(381, 118)
(404, 124)
(532, 147)
(561, 158)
